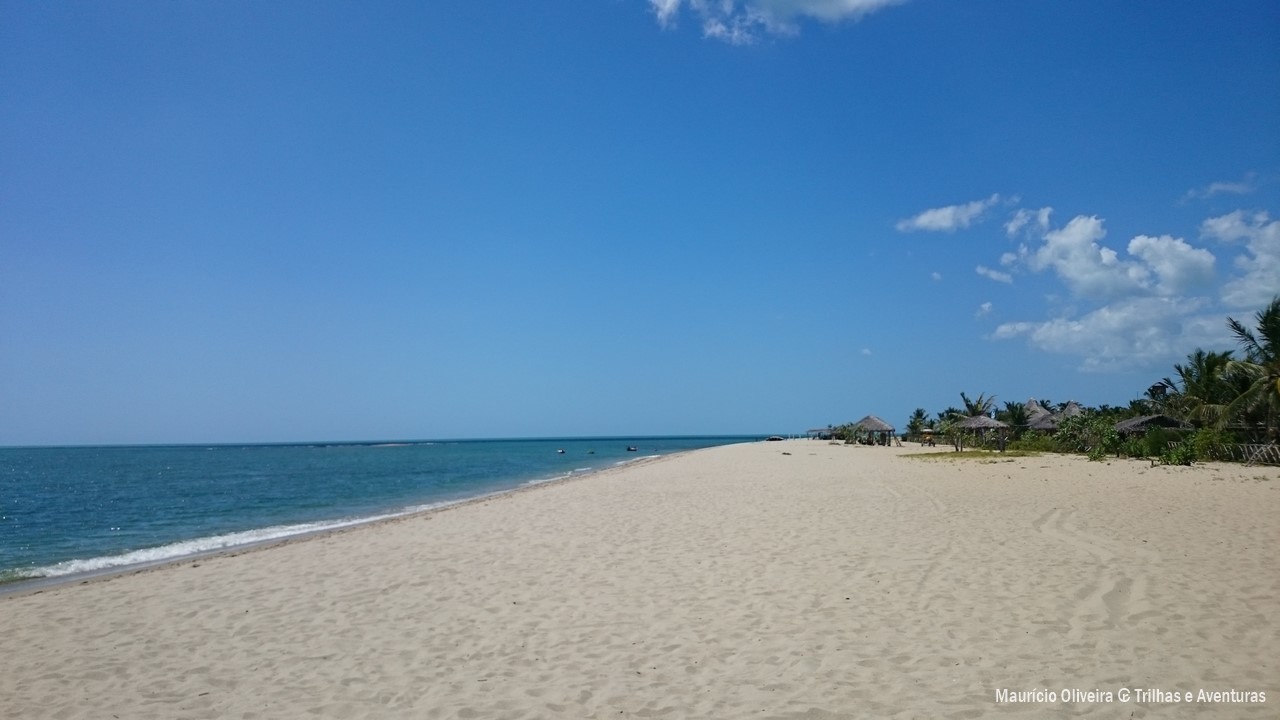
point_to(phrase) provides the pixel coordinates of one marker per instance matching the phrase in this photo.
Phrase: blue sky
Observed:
(234, 221)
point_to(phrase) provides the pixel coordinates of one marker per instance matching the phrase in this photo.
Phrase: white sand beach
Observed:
(732, 582)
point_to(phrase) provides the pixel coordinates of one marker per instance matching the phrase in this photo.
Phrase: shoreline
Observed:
(776, 580)
(39, 584)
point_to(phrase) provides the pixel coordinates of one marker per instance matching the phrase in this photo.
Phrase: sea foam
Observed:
(211, 544)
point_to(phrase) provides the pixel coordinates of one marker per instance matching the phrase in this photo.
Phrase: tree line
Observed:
(1216, 398)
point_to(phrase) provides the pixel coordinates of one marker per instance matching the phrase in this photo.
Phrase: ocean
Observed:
(71, 510)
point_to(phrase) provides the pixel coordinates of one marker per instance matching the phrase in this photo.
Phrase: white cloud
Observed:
(1259, 266)
(1243, 187)
(984, 309)
(947, 219)
(1087, 268)
(866, 351)
(1179, 267)
(996, 275)
(1130, 333)
(1162, 265)
(1023, 219)
(742, 21)
(1233, 227)
(936, 276)
(1146, 304)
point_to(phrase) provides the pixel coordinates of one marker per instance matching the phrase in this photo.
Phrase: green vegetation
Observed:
(1213, 401)
(1034, 441)
(1257, 376)
(916, 424)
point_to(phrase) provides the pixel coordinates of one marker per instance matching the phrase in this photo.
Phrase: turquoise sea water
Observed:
(76, 510)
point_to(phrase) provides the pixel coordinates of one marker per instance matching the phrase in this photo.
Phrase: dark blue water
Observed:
(69, 510)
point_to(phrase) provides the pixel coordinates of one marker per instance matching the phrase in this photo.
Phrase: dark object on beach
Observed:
(631, 448)
(773, 438)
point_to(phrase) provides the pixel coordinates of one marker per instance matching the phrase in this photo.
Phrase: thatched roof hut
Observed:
(980, 422)
(1140, 425)
(874, 431)
(1034, 408)
(1044, 422)
(871, 423)
(1040, 418)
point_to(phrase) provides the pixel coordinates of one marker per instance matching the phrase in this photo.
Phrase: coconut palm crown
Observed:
(1259, 369)
(982, 405)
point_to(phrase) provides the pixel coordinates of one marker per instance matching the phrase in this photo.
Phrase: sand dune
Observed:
(731, 582)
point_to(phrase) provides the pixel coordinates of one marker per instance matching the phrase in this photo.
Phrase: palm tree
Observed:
(950, 414)
(916, 422)
(1140, 406)
(1015, 414)
(983, 405)
(1260, 369)
(1202, 390)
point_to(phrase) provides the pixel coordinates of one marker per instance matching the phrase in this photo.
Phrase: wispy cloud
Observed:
(742, 22)
(949, 218)
(996, 275)
(935, 276)
(1033, 221)
(1242, 187)
(983, 309)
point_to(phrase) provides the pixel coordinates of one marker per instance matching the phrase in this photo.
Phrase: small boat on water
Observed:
(560, 452)
(631, 448)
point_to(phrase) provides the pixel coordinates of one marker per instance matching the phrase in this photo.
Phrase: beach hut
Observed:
(980, 425)
(1140, 425)
(1041, 419)
(1044, 422)
(981, 422)
(1034, 408)
(876, 430)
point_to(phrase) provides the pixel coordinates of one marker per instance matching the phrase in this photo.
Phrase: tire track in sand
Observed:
(1116, 594)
